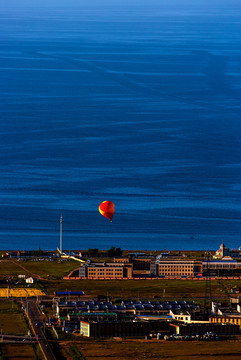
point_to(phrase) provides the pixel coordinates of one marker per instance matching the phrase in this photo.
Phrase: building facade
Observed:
(219, 267)
(106, 271)
(224, 251)
(201, 329)
(121, 328)
(139, 261)
(234, 319)
(181, 315)
(177, 268)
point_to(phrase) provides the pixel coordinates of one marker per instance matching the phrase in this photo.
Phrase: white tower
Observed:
(60, 242)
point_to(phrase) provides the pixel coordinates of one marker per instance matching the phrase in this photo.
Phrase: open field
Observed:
(43, 269)
(141, 349)
(23, 351)
(143, 289)
(20, 292)
(50, 274)
(12, 320)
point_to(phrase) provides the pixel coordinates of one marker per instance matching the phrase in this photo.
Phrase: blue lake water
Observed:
(139, 105)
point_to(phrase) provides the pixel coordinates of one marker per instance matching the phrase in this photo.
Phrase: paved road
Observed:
(36, 318)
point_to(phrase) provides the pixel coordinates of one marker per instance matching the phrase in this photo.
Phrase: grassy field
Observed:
(12, 320)
(143, 289)
(23, 351)
(45, 269)
(134, 349)
(50, 274)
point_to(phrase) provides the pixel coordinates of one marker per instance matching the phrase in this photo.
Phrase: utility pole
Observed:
(60, 245)
(208, 286)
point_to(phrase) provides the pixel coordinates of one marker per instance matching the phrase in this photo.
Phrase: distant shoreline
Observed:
(182, 251)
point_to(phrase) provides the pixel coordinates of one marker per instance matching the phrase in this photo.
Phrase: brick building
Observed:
(139, 261)
(169, 268)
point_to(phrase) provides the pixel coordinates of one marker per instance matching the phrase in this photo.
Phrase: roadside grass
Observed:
(12, 320)
(23, 351)
(55, 344)
(128, 349)
(72, 352)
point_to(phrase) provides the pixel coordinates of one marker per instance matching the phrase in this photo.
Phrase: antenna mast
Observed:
(60, 243)
(208, 287)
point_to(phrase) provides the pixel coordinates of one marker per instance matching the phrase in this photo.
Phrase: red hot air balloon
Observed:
(107, 209)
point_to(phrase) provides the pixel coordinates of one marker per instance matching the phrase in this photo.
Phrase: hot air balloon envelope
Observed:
(107, 209)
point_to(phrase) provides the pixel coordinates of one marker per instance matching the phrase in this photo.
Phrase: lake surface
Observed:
(139, 105)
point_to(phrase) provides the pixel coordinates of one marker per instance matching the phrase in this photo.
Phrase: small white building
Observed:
(31, 280)
(181, 315)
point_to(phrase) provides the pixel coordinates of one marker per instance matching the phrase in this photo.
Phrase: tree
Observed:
(112, 252)
(118, 252)
(93, 252)
(39, 251)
